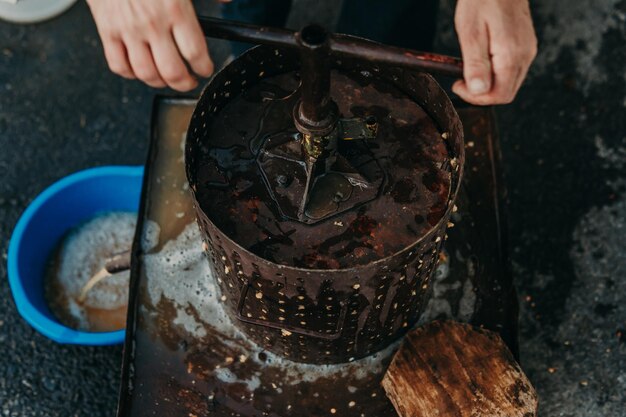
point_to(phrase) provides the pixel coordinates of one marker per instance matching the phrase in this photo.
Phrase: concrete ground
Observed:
(564, 145)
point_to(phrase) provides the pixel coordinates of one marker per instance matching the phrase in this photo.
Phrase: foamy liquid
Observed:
(81, 254)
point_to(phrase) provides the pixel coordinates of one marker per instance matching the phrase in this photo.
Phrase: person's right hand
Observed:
(153, 40)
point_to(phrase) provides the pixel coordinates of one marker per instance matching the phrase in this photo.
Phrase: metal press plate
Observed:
(184, 357)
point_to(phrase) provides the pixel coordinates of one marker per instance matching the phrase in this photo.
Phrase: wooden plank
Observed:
(454, 370)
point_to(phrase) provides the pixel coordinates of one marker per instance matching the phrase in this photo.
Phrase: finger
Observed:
(460, 89)
(170, 64)
(117, 57)
(503, 91)
(523, 72)
(507, 76)
(143, 65)
(477, 75)
(192, 46)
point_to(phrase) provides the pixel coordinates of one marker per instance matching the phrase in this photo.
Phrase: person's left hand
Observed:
(159, 42)
(498, 44)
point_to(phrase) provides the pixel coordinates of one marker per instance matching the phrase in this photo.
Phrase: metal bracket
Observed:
(312, 190)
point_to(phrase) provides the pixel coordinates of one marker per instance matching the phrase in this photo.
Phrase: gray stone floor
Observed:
(564, 145)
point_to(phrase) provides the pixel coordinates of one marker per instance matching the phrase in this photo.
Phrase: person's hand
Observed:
(156, 41)
(498, 45)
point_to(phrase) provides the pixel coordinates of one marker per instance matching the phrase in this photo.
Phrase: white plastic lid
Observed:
(32, 11)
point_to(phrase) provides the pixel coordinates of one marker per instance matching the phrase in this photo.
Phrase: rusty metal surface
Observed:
(327, 314)
(184, 357)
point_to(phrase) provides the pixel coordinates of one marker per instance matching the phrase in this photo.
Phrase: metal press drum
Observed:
(323, 182)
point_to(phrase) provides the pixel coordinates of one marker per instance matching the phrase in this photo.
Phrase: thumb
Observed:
(476, 60)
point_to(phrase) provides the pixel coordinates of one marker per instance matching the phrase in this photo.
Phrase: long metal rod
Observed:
(245, 32)
(395, 56)
(316, 113)
(340, 47)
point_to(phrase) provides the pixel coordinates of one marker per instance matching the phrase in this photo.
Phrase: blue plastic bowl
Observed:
(62, 206)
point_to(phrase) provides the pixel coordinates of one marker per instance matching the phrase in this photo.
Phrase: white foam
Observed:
(226, 375)
(84, 252)
(180, 272)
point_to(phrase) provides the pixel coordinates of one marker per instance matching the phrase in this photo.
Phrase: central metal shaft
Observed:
(316, 114)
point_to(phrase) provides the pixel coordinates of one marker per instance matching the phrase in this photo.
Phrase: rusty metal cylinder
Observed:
(318, 315)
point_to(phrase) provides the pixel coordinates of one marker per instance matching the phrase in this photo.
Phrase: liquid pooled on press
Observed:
(408, 147)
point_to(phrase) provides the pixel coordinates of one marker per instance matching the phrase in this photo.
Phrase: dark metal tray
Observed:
(183, 356)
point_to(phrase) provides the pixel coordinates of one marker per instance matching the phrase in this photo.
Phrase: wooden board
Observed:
(453, 369)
